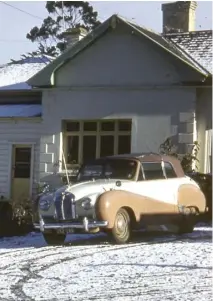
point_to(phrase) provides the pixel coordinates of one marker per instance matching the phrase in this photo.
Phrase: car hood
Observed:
(84, 189)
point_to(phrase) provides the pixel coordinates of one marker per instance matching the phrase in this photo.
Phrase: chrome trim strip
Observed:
(85, 225)
(73, 209)
(41, 223)
(62, 205)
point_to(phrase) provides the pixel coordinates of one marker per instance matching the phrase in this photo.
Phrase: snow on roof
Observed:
(20, 110)
(197, 44)
(14, 75)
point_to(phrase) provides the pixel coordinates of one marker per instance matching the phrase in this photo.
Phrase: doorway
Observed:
(21, 172)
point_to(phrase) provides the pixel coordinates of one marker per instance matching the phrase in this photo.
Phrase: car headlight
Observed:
(44, 204)
(88, 202)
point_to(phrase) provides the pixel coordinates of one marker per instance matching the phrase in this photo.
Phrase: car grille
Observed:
(65, 208)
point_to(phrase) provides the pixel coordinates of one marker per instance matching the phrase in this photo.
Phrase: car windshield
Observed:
(122, 169)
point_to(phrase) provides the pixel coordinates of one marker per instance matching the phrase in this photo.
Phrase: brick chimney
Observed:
(179, 16)
(73, 35)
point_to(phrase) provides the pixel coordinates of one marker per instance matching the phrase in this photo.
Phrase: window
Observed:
(108, 168)
(124, 144)
(107, 146)
(153, 170)
(107, 126)
(124, 125)
(86, 140)
(72, 126)
(72, 149)
(22, 162)
(170, 173)
(89, 148)
(90, 126)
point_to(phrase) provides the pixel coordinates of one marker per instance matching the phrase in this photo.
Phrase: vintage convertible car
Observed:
(119, 194)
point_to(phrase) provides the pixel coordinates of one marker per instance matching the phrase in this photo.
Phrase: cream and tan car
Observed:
(119, 194)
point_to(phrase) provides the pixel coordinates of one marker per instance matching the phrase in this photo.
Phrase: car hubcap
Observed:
(121, 225)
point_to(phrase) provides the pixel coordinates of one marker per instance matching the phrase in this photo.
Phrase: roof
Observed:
(172, 46)
(196, 44)
(14, 75)
(144, 157)
(45, 77)
(147, 157)
(20, 110)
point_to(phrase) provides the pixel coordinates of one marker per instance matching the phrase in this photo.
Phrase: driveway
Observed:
(152, 267)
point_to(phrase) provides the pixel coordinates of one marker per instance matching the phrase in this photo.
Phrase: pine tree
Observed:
(62, 15)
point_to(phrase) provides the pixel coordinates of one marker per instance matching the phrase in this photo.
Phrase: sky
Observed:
(14, 24)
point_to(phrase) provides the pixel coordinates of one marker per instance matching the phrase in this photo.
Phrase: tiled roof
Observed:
(168, 44)
(14, 75)
(46, 76)
(197, 44)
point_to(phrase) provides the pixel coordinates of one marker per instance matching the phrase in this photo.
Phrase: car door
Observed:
(160, 202)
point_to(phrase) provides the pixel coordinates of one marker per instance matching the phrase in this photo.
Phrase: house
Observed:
(20, 127)
(123, 88)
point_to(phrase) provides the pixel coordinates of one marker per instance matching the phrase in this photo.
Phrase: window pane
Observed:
(107, 126)
(120, 169)
(89, 148)
(170, 173)
(153, 171)
(72, 126)
(90, 126)
(124, 144)
(72, 149)
(22, 171)
(125, 125)
(107, 146)
(23, 154)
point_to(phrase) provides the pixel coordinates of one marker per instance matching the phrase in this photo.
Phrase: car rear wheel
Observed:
(121, 232)
(186, 227)
(54, 239)
(188, 221)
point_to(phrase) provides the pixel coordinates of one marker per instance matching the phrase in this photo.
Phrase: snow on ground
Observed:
(152, 267)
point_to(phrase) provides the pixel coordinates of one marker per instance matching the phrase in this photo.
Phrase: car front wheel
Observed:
(121, 232)
(54, 239)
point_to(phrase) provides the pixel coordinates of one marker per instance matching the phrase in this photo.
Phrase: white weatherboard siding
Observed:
(154, 113)
(17, 131)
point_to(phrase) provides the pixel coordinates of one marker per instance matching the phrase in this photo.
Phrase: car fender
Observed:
(190, 195)
(110, 202)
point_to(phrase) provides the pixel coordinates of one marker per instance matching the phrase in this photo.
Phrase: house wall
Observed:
(204, 120)
(17, 131)
(120, 58)
(156, 115)
(120, 76)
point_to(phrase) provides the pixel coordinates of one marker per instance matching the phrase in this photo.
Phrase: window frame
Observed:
(172, 168)
(98, 133)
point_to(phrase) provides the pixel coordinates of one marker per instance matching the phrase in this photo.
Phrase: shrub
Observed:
(22, 211)
(187, 160)
(15, 217)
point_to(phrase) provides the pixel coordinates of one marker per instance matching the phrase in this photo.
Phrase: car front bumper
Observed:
(85, 225)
